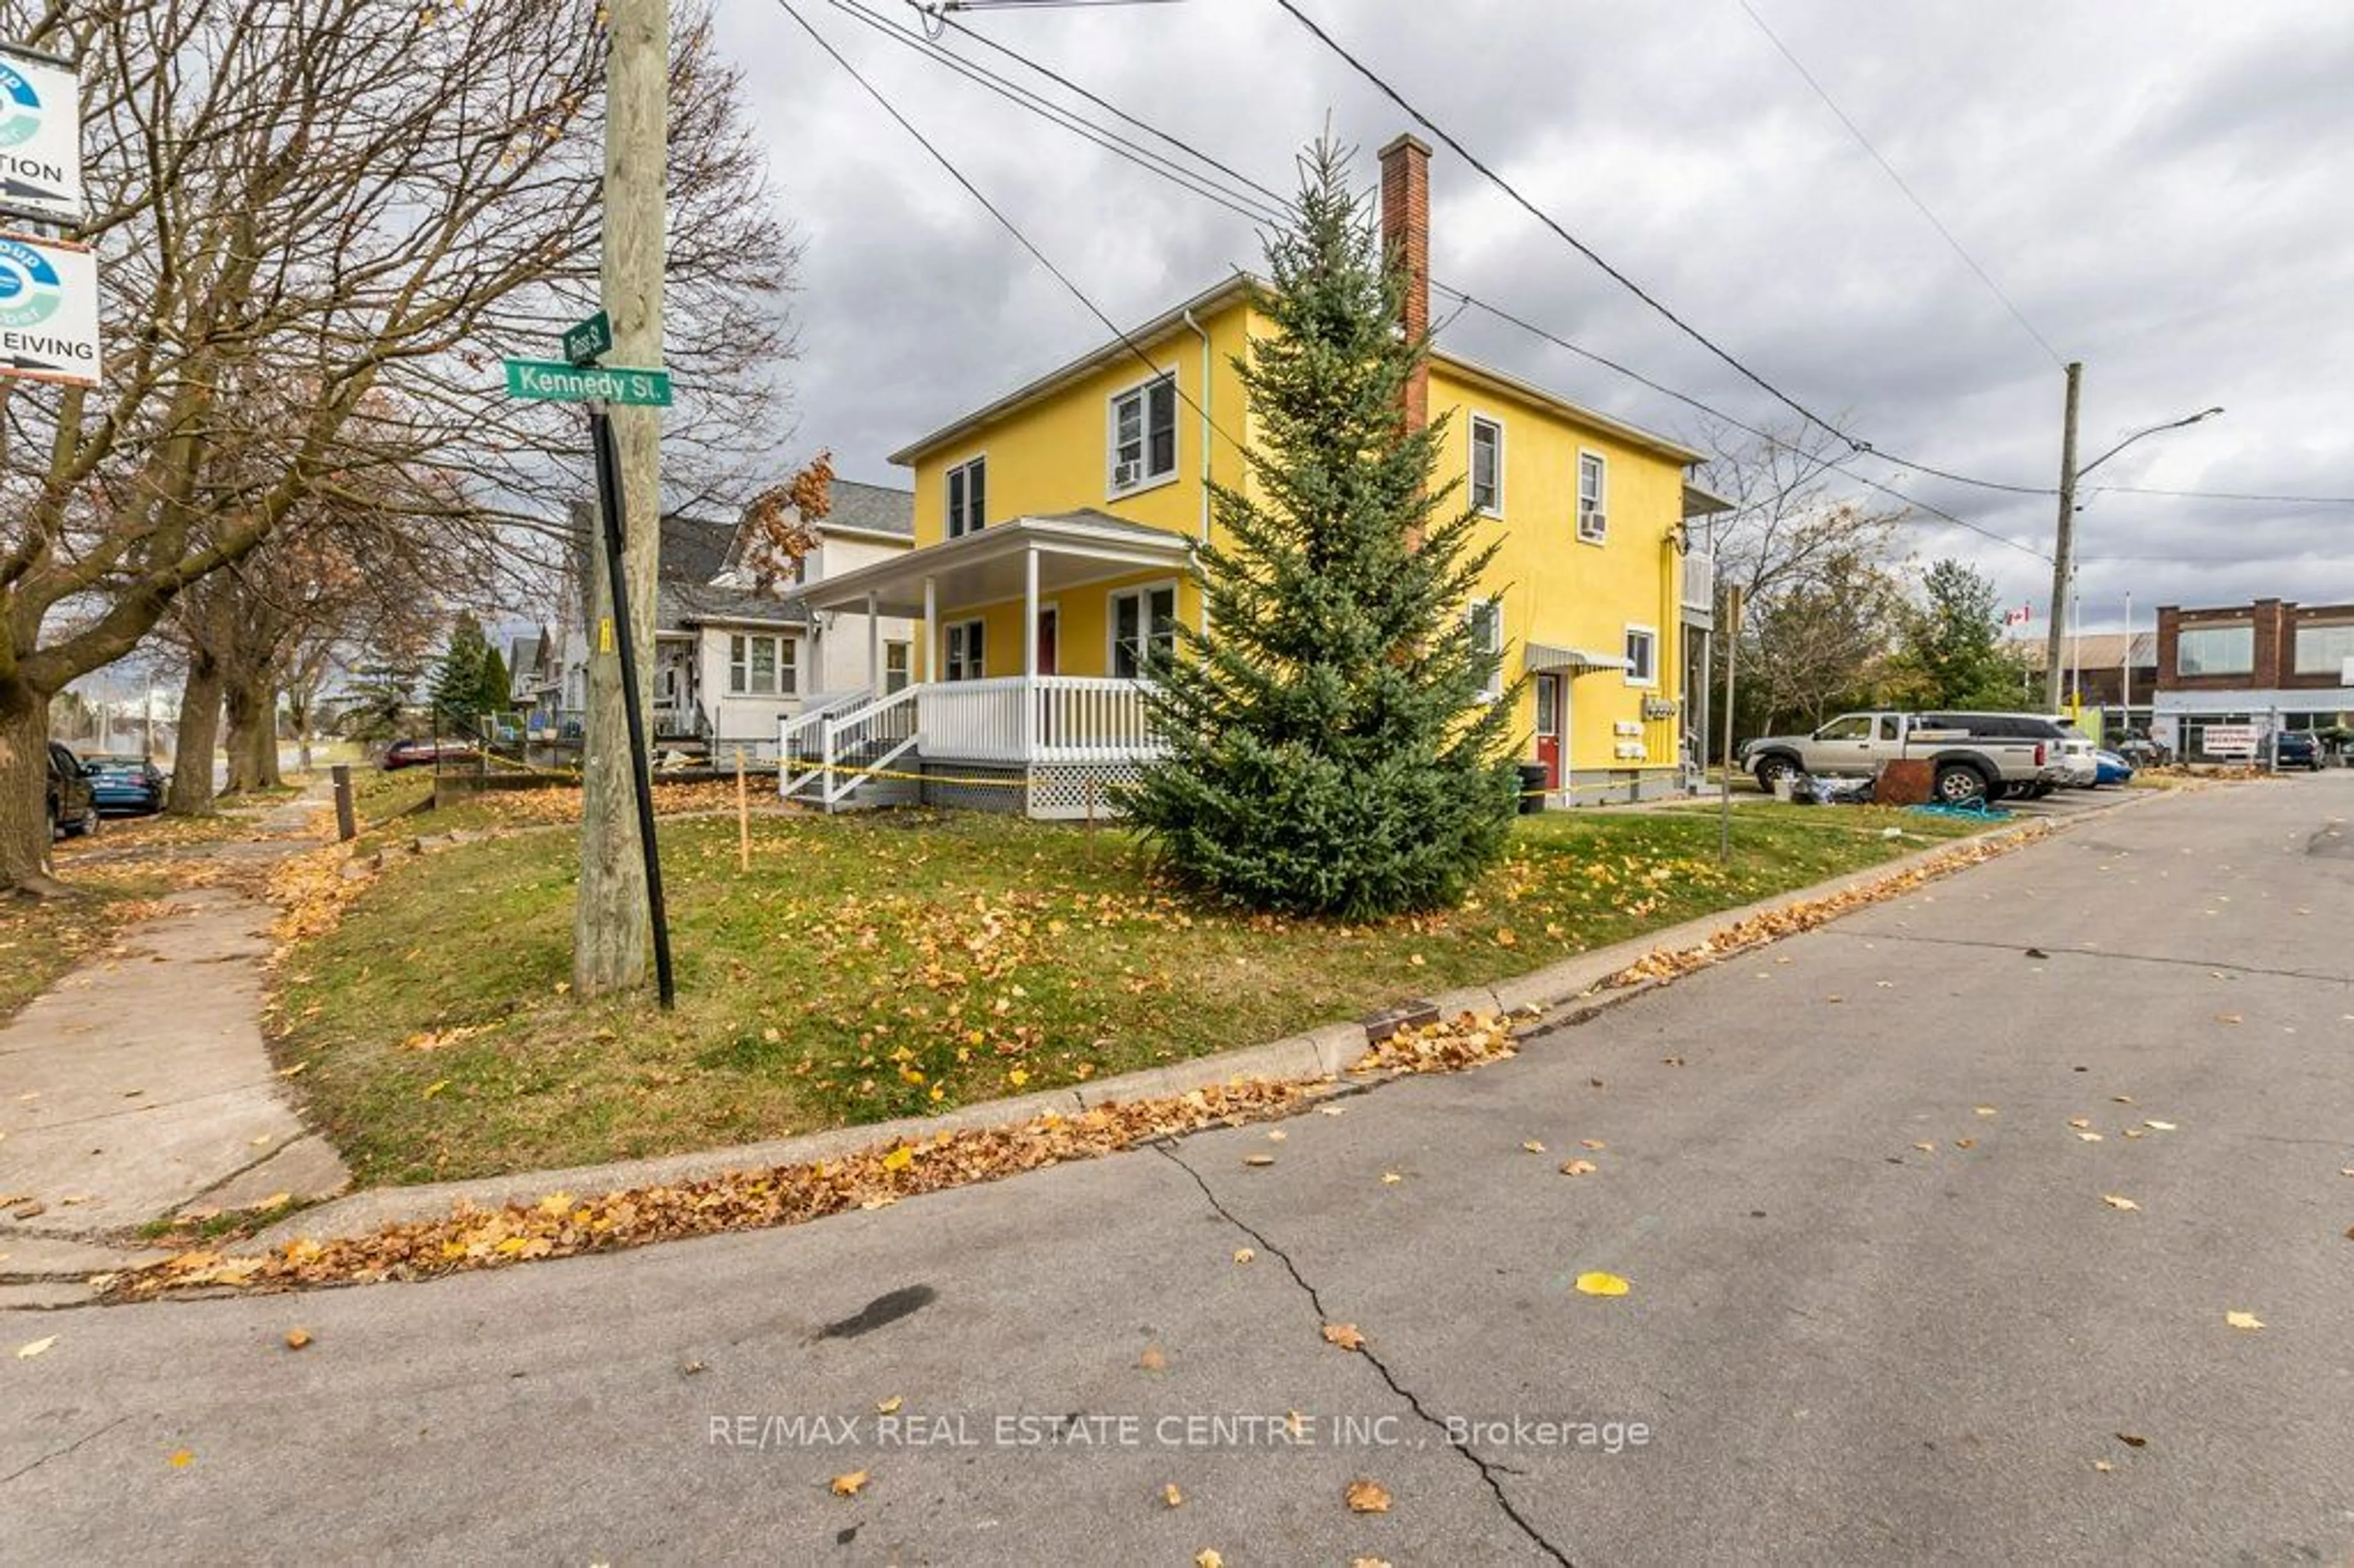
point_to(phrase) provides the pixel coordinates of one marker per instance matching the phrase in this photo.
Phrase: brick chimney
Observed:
(1406, 236)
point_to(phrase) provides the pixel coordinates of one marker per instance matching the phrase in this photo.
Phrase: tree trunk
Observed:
(238, 702)
(24, 790)
(266, 738)
(199, 733)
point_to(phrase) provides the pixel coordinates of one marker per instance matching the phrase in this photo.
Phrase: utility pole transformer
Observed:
(610, 926)
(2064, 552)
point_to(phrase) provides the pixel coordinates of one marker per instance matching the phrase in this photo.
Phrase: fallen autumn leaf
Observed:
(1595, 1283)
(1344, 1335)
(1367, 1497)
(847, 1485)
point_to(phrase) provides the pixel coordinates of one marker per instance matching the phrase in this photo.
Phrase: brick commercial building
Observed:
(2267, 666)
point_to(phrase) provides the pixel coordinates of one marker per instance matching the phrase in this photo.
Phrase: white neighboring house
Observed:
(732, 658)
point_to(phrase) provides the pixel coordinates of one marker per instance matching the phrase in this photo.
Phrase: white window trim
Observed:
(1472, 463)
(1577, 499)
(1111, 619)
(948, 512)
(947, 658)
(1116, 490)
(1652, 680)
(1495, 684)
(785, 655)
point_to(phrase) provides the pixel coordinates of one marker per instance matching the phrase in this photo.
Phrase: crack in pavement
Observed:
(62, 1453)
(1486, 1470)
(2092, 953)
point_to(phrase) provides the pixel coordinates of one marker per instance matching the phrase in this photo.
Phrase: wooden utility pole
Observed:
(2064, 550)
(610, 926)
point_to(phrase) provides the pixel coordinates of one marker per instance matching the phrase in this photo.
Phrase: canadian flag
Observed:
(2019, 617)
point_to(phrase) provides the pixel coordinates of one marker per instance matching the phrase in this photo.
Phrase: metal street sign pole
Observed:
(1731, 667)
(609, 502)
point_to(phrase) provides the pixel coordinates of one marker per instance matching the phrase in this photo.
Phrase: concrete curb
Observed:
(1325, 1052)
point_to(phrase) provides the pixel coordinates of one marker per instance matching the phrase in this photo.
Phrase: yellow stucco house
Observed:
(1054, 532)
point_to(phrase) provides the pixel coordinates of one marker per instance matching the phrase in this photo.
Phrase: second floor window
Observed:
(1487, 466)
(2323, 650)
(2215, 651)
(968, 497)
(1593, 520)
(1144, 434)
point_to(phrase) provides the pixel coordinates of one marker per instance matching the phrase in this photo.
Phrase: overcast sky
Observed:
(2161, 187)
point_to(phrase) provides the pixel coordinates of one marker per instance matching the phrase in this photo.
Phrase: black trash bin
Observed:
(1532, 788)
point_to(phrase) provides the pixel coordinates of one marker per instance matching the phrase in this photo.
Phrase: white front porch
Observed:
(1045, 746)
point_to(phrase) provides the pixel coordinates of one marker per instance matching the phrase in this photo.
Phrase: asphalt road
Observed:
(1842, 1346)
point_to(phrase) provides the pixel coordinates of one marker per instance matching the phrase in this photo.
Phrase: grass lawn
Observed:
(881, 965)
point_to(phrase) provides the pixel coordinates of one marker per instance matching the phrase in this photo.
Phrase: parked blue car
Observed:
(126, 785)
(2111, 769)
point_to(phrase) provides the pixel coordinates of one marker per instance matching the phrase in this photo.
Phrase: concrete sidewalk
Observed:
(140, 1085)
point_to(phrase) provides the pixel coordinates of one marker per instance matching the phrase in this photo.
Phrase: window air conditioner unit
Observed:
(1125, 474)
(1593, 523)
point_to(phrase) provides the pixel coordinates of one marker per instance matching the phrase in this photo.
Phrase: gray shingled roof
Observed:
(693, 551)
(871, 508)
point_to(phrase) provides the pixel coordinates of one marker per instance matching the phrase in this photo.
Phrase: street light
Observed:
(2170, 425)
(2064, 553)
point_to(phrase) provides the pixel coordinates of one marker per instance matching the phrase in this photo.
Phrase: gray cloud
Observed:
(2159, 186)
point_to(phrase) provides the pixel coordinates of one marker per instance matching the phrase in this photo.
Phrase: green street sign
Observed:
(539, 378)
(584, 342)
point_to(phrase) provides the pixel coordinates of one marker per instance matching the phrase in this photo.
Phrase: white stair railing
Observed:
(799, 751)
(865, 739)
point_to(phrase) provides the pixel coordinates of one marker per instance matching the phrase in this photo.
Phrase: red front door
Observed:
(1548, 728)
(1048, 621)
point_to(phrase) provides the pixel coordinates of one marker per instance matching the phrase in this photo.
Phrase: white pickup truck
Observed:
(1977, 755)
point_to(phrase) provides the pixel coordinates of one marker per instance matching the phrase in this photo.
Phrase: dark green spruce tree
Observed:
(1329, 751)
(457, 678)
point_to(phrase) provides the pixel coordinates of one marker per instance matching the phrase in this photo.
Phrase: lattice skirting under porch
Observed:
(1049, 792)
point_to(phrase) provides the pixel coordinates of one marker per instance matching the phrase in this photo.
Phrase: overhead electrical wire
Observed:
(1910, 195)
(1055, 115)
(1239, 194)
(885, 103)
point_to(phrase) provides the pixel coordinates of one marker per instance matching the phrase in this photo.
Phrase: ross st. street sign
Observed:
(585, 342)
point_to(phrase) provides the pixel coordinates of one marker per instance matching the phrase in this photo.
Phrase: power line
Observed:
(1109, 141)
(1281, 202)
(1716, 413)
(1004, 222)
(2224, 495)
(1621, 279)
(1241, 194)
(1910, 195)
(1028, 100)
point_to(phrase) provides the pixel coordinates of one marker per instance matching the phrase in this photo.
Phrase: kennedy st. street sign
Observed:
(540, 379)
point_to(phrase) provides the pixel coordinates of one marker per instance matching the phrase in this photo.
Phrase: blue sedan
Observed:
(2112, 769)
(126, 785)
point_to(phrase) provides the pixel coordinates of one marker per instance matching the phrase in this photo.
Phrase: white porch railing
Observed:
(1046, 718)
(1013, 721)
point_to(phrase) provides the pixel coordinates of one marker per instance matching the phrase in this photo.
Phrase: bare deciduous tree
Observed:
(322, 224)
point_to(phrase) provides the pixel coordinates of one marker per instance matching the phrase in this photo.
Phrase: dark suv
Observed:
(2297, 749)
(73, 803)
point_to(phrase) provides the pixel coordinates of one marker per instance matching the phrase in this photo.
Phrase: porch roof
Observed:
(987, 567)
